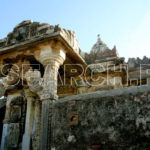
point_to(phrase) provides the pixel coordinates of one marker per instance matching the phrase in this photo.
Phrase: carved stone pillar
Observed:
(51, 57)
(29, 120)
(49, 95)
(36, 126)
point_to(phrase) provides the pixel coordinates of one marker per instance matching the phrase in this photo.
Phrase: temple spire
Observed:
(99, 46)
(98, 38)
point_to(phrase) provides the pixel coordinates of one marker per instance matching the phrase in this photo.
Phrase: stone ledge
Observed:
(108, 93)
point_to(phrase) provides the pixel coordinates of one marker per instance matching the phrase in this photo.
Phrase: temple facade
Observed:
(33, 53)
(39, 65)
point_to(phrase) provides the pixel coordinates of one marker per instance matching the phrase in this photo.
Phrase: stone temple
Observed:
(52, 97)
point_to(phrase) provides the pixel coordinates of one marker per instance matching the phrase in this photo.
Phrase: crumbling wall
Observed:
(116, 120)
(134, 63)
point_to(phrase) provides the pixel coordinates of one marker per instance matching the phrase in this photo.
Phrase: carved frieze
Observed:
(29, 30)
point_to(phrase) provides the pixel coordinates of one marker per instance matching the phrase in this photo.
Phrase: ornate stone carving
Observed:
(34, 80)
(29, 30)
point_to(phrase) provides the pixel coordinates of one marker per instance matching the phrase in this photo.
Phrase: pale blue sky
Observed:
(124, 23)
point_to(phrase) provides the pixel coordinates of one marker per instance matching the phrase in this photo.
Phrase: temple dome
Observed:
(100, 52)
(99, 46)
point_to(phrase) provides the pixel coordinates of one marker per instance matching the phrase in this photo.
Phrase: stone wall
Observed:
(116, 120)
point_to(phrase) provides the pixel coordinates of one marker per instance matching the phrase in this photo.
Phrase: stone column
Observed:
(51, 57)
(49, 95)
(36, 126)
(29, 120)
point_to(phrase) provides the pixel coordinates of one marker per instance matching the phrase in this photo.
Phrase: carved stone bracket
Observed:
(34, 80)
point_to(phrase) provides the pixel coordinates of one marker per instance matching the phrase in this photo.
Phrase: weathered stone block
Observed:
(12, 136)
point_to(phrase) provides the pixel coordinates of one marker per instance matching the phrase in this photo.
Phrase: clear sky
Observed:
(124, 23)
